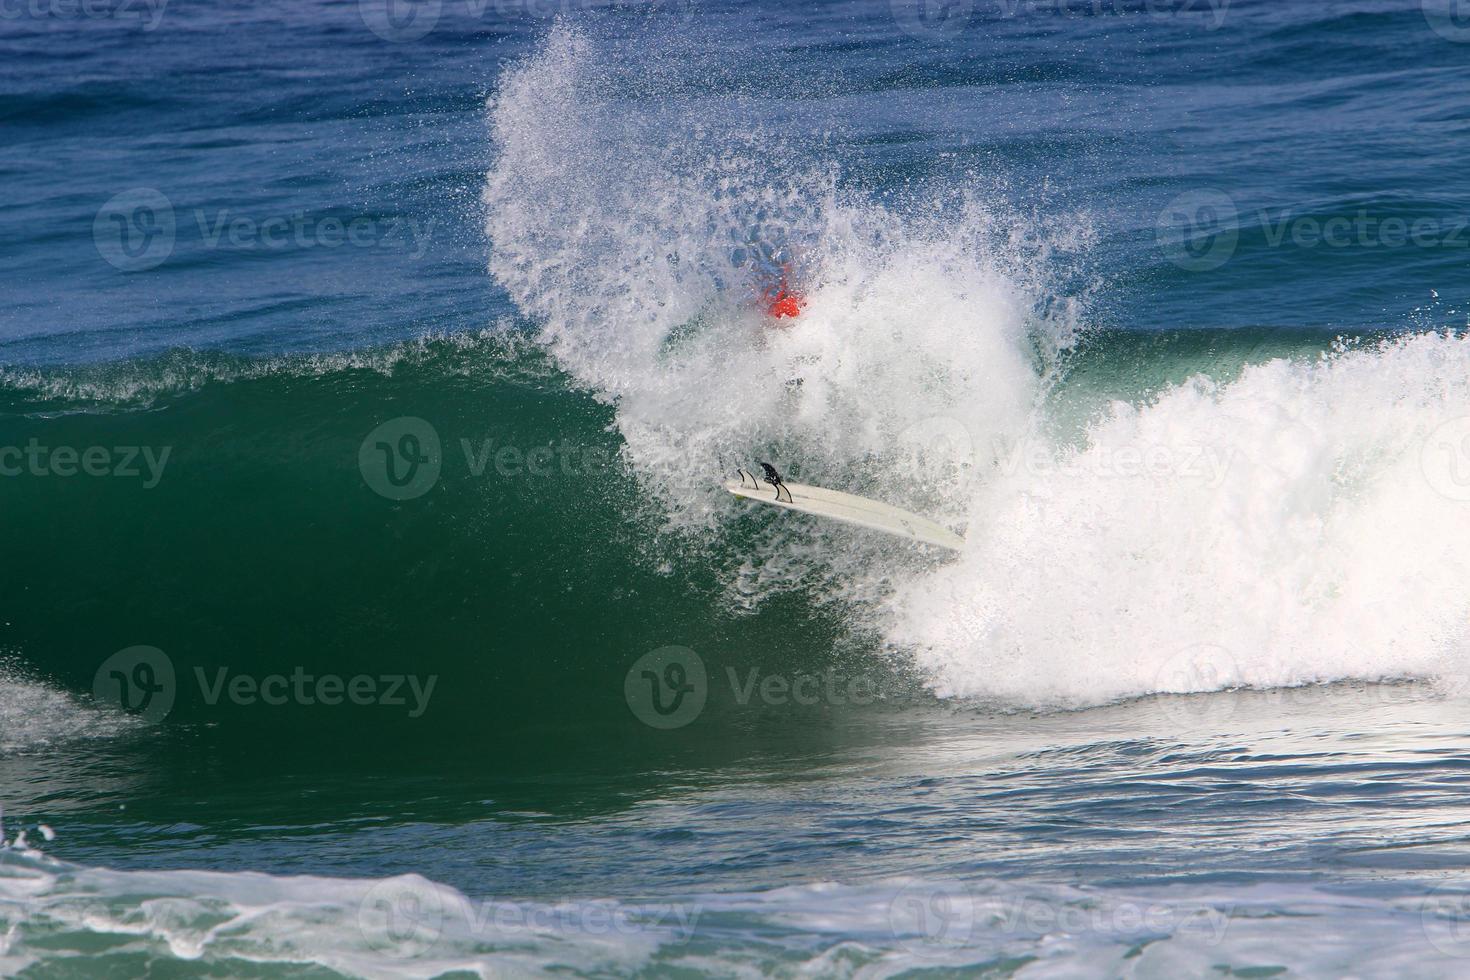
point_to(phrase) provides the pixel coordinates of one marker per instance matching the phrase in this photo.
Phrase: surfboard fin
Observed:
(774, 479)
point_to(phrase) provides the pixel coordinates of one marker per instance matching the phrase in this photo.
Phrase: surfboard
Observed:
(848, 508)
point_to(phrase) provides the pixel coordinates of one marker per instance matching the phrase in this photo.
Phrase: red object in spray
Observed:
(783, 302)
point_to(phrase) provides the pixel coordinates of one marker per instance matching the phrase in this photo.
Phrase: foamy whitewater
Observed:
(1298, 521)
(1191, 701)
(1299, 524)
(1395, 905)
(252, 923)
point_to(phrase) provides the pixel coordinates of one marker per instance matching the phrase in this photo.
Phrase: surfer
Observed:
(779, 299)
(770, 259)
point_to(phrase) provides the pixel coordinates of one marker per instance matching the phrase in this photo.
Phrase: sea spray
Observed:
(1332, 547)
(626, 237)
(1275, 527)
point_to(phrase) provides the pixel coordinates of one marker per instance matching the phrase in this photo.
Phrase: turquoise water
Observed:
(369, 605)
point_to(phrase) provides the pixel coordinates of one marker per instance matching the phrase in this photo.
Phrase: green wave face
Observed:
(241, 517)
(268, 517)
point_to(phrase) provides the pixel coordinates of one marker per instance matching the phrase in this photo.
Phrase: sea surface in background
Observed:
(369, 604)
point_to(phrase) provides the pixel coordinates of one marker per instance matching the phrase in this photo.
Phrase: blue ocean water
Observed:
(369, 605)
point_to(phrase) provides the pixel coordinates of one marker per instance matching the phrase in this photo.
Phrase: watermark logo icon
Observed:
(667, 688)
(1450, 19)
(1445, 459)
(401, 459)
(135, 230)
(400, 20)
(402, 916)
(931, 918)
(677, 12)
(139, 680)
(1198, 230)
(1201, 670)
(1445, 918)
(936, 447)
(147, 13)
(932, 20)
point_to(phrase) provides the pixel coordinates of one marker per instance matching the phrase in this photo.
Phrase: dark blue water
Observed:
(1161, 304)
(300, 113)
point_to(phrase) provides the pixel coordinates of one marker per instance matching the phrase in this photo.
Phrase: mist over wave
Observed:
(36, 715)
(1275, 527)
(635, 233)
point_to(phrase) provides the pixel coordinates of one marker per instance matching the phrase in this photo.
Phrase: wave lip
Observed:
(501, 353)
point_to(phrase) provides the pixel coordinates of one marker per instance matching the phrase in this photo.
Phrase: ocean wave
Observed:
(498, 354)
(52, 915)
(1302, 523)
(1280, 517)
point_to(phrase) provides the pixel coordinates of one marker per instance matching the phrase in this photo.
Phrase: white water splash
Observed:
(1277, 528)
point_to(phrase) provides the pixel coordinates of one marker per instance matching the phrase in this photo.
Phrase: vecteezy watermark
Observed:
(223, 229)
(1444, 915)
(139, 680)
(943, 20)
(403, 458)
(934, 918)
(1205, 465)
(1450, 19)
(667, 688)
(1445, 459)
(401, 21)
(1363, 230)
(806, 689)
(933, 20)
(549, 459)
(142, 682)
(128, 462)
(408, 916)
(1200, 230)
(382, 690)
(940, 447)
(147, 13)
(135, 230)
(403, 916)
(935, 448)
(1034, 917)
(138, 230)
(1193, 679)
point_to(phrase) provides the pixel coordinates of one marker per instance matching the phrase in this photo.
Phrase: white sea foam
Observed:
(1303, 521)
(1306, 522)
(51, 913)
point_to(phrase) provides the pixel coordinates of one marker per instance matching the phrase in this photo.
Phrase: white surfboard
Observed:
(849, 509)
